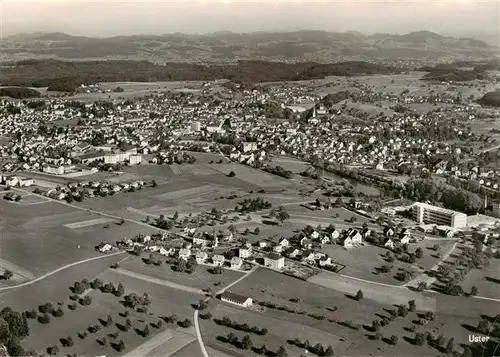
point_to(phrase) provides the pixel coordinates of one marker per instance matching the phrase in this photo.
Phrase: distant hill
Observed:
(295, 46)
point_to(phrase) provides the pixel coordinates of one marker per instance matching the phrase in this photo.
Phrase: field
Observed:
(164, 302)
(361, 262)
(44, 237)
(276, 327)
(486, 280)
(454, 316)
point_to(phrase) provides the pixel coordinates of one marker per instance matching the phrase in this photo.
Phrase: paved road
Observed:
(58, 270)
(196, 312)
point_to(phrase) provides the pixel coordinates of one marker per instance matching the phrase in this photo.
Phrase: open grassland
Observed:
(486, 280)
(164, 302)
(279, 330)
(454, 316)
(44, 237)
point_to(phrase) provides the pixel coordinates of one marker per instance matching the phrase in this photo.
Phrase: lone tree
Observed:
(473, 291)
(483, 326)
(231, 174)
(282, 215)
(394, 340)
(450, 346)
(281, 352)
(419, 339)
(412, 306)
(419, 253)
(7, 274)
(359, 295)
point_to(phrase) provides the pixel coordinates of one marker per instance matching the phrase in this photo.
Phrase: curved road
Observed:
(58, 270)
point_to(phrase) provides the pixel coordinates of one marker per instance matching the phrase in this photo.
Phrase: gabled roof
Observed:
(234, 297)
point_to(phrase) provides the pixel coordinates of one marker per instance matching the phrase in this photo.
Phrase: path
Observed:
(424, 277)
(60, 269)
(196, 311)
(227, 287)
(166, 283)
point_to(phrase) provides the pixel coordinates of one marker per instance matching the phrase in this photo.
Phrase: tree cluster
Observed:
(226, 321)
(68, 76)
(252, 205)
(279, 171)
(318, 349)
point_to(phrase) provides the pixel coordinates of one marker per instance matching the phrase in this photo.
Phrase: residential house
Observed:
(205, 239)
(292, 252)
(278, 249)
(285, 243)
(306, 243)
(166, 252)
(389, 243)
(388, 231)
(53, 170)
(218, 259)
(236, 299)
(405, 240)
(347, 242)
(355, 236)
(308, 258)
(245, 251)
(324, 240)
(335, 235)
(236, 263)
(201, 257)
(274, 261)
(324, 261)
(184, 253)
(25, 182)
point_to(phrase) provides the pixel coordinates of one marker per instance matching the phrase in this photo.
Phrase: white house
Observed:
(236, 299)
(236, 263)
(324, 261)
(348, 242)
(184, 253)
(389, 244)
(201, 257)
(324, 240)
(274, 261)
(245, 251)
(218, 259)
(285, 243)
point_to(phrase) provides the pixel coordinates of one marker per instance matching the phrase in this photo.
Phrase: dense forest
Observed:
(66, 76)
(19, 92)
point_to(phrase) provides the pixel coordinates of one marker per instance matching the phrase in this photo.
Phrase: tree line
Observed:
(67, 76)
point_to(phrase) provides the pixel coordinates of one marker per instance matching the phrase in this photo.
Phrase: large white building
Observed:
(428, 214)
(236, 299)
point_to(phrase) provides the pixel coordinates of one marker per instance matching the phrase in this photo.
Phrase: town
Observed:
(249, 179)
(375, 189)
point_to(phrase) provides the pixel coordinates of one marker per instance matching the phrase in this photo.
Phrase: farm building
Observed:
(236, 299)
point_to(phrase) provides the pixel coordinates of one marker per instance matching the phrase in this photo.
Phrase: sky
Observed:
(103, 18)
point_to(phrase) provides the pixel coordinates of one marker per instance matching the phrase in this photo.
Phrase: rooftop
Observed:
(233, 297)
(437, 209)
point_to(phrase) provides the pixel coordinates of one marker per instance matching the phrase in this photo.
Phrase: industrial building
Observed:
(428, 214)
